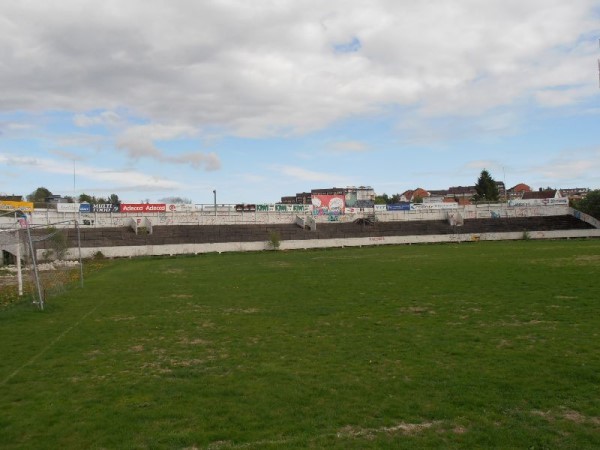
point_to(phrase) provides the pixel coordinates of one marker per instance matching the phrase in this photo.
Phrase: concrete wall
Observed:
(104, 220)
(585, 217)
(181, 249)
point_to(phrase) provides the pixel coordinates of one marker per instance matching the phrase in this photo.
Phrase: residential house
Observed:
(517, 191)
(542, 194)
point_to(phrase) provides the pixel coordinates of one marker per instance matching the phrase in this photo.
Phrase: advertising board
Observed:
(6, 205)
(181, 207)
(105, 208)
(142, 207)
(540, 202)
(432, 206)
(67, 207)
(399, 207)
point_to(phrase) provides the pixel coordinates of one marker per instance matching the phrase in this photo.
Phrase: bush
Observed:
(274, 240)
(590, 204)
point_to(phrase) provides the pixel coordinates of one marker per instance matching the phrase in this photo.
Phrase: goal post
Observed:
(39, 261)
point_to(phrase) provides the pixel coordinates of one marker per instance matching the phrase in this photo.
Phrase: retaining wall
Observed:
(181, 249)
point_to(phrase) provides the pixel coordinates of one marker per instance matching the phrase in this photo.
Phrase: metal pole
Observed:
(215, 199)
(35, 269)
(19, 274)
(79, 247)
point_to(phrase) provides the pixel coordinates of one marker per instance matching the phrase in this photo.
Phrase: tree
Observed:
(39, 195)
(383, 199)
(114, 199)
(486, 187)
(590, 204)
(176, 200)
(85, 198)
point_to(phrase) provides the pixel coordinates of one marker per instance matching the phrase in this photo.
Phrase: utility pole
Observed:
(215, 199)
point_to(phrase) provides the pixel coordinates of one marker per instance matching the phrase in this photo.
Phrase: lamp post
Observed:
(215, 200)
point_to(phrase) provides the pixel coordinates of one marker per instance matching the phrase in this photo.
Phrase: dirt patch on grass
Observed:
(352, 432)
(417, 310)
(567, 414)
(122, 318)
(181, 295)
(504, 344)
(278, 264)
(187, 341)
(137, 348)
(240, 311)
(581, 260)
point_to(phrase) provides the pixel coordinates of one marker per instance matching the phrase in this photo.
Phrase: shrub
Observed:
(274, 240)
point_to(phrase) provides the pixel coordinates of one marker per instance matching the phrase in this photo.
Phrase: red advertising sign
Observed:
(142, 207)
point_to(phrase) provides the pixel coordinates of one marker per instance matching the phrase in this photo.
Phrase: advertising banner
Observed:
(105, 208)
(85, 208)
(540, 202)
(142, 207)
(399, 207)
(328, 204)
(181, 207)
(6, 205)
(67, 207)
(432, 206)
(380, 208)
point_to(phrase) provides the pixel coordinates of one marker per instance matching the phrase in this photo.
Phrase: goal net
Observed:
(39, 262)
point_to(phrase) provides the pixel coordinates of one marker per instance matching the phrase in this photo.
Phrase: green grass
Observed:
(476, 345)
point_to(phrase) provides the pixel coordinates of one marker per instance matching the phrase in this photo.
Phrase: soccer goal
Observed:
(39, 262)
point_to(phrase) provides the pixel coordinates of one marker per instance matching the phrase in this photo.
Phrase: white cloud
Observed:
(263, 68)
(299, 173)
(125, 179)
(139, 142)
(349, 147)
(198, 160)
(107, 118)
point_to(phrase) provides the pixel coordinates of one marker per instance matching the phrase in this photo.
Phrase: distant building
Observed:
(542, 194)
(352, 194)
(574, 193)
(11, 198)
(290, 200)
(461, 192)
(55, 198)
(501, 189)
(411, 195)
(517, 191)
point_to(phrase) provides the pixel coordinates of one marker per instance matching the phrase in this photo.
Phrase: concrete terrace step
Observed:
(197, 234)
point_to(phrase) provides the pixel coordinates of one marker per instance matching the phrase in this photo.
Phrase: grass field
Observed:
(475, 345)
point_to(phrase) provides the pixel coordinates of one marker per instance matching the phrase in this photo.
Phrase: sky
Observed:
(266, 98)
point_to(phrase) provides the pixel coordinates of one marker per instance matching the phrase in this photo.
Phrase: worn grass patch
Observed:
(473, 345)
